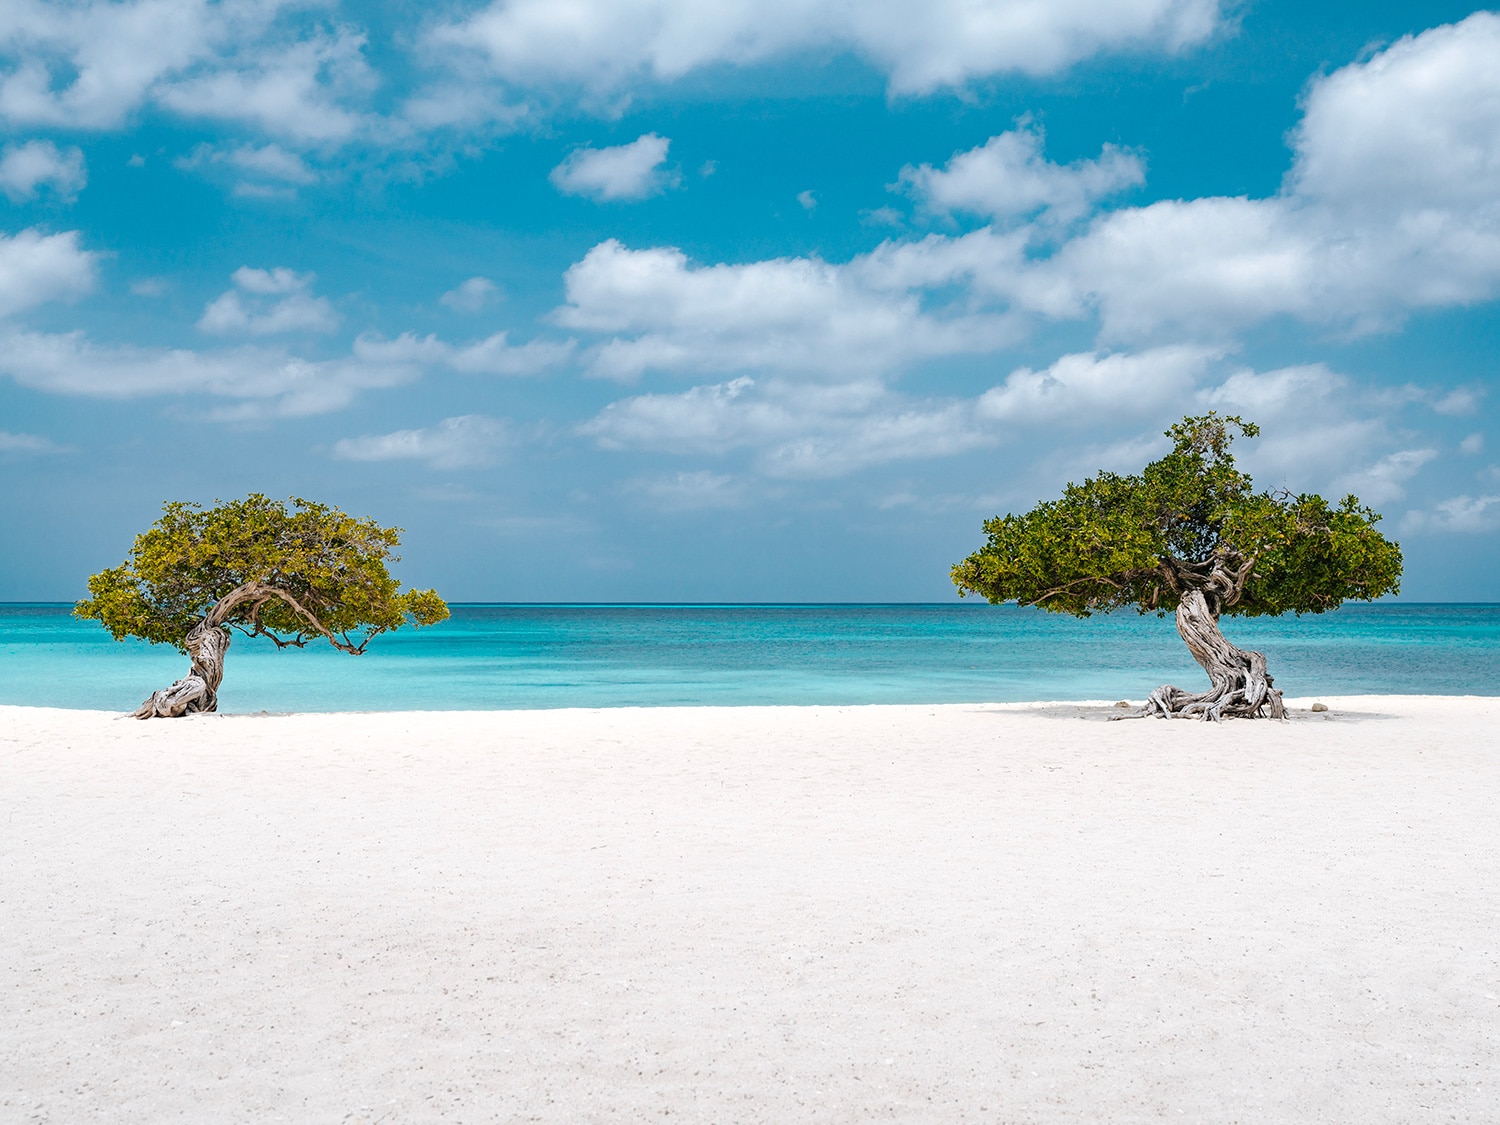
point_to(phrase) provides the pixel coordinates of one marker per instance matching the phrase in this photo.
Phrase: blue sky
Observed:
(664, 300)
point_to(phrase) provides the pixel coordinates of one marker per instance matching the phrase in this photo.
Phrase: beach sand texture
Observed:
(974, 913)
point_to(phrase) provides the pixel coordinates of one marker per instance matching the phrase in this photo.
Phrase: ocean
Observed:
(539, 656)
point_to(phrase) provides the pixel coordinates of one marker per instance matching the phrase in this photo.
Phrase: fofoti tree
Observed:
(1189, 535)
(256, 566)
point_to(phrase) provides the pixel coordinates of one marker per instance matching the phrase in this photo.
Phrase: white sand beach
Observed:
(974, 913)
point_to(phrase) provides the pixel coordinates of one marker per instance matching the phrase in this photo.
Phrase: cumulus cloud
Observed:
(494, 355)
(36, 268)
(788, 314)
(1386, 479)
(466, 442)
(94, 63)
(1470, 514)
(1009, 178)
(1392, 204)
(472, 295)
(256, 170)
(1320, 424)
(810, 430)
(1417, 121)
(1351, 252)
(632, 171)
(295, 90)
(1462, 400)
(1316, 422)
(796, 429)
(35, 164)
(248, 308)
(1079, 388)
(255, 381)
(602, 46)
(263, 382)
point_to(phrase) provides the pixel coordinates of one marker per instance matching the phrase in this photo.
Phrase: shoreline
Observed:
(1088, 707)
(947, 912)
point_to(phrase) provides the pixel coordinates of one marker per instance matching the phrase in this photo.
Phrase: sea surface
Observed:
(538, 656)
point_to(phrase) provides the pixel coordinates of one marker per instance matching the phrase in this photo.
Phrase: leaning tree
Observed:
(254, 565)
(1189, 534)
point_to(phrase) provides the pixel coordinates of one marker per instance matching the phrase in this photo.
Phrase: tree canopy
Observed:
(1190, 521)
(292, 574)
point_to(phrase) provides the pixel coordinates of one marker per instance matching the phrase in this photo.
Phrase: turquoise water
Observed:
(508, 656)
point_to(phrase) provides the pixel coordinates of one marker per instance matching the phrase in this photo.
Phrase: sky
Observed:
(685, 300)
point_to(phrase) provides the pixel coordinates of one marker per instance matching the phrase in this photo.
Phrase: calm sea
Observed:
(523, 656)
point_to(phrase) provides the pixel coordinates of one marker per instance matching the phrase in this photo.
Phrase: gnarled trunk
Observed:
(1240, 686)
(207, 643)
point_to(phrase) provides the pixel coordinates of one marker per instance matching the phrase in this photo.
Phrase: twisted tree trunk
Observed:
(207, 643)
(1240, 686)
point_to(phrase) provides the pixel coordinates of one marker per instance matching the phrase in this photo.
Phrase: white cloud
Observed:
(93, 63)
(603, 46)
(797, 430)
(472, 295)
(114, 51)
(292, 90)
(1472, 514)
(469, 441)
(1008, 178)
(1079, 388)
(700, 420)
(1392, 204)
(1302, 391)
(1417, 122)
(256, 381)
(1351, 252)
(691, 491)
(494, 355)
(1464, 400)
(265, 382)
(901, 432)
(789, 314)
(270, 282)
(1317, 424)
(262, 169)
(808, 200)
(819, 430)
(25, 168)
(632, 171)
(1472, 445)
(1386, 479)
(296, 311)
(36, 268)
(27, 444)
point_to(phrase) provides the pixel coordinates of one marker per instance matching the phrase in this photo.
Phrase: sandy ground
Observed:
(948, 914)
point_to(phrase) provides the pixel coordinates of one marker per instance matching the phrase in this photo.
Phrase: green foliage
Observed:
(333, 566)
(1188, 521)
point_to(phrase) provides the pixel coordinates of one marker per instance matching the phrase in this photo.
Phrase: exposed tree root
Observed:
(198, 691)
(1240, 686)
(208, 642)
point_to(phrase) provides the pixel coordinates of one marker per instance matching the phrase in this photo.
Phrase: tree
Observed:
(1189, 535)
(255, 566)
